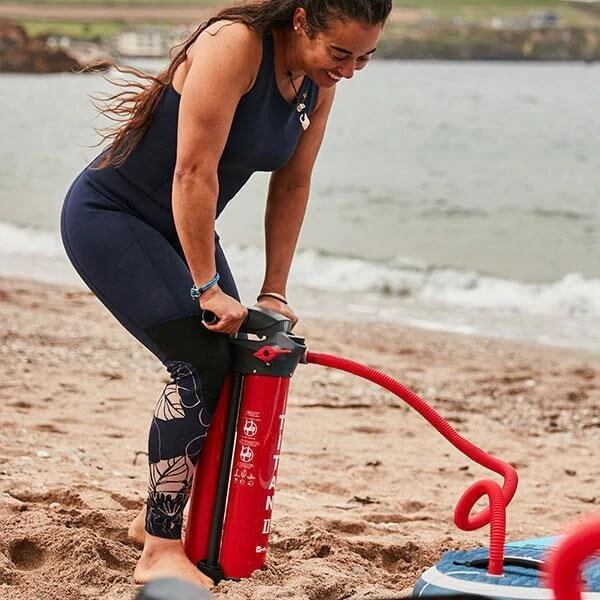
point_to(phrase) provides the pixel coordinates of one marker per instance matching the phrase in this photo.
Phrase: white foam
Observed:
(571, 296)
(400, 284)
(27, 241)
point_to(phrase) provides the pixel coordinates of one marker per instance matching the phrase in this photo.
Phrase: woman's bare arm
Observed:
(223, 68)
(288, 196)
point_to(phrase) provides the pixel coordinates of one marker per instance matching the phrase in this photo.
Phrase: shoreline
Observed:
(412, 34)
(374, 310)
(516, 322)
(71, 476)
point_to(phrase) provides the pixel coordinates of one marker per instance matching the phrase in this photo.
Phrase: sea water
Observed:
(456, 196)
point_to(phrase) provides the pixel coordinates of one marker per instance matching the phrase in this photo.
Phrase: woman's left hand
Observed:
(274, 305)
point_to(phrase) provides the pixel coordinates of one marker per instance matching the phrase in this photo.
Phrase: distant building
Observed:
(55, 42)
(543, 19)
(593, 5)
(537, 20)
(147, 42)
(510, 23)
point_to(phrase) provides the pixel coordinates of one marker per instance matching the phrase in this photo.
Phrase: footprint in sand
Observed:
(112, 561)
(393, 558)
(413, 506)
(330, 590)
(396, 558)
(112, 375)
(66, 498)
(104, 524)
(27, 554)
(125, 502)
(347, 527)
(20, 404)
(368, 429)
(49, 428)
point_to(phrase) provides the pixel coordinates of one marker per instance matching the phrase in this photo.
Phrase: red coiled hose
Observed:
(563, 563)
(499, 496)
(489, 488)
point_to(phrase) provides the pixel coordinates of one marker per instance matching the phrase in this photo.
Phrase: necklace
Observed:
(300, 106)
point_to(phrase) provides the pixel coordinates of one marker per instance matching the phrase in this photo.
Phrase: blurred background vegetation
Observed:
(471, 11)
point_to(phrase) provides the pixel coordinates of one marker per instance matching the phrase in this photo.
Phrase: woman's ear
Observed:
(300, 22)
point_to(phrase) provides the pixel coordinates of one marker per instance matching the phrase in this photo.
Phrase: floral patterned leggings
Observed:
(140, 274)
(181, 418)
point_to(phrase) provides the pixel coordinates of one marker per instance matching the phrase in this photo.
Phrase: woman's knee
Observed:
(193, 353)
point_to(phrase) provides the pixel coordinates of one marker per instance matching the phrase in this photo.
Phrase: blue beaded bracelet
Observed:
(198, 290)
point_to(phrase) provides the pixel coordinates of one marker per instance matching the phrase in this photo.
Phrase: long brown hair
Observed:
(132, 108)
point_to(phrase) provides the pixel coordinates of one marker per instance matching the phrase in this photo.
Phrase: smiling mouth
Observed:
(333, 76)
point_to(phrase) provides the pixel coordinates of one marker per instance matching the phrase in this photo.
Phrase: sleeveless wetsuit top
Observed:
(264, 134)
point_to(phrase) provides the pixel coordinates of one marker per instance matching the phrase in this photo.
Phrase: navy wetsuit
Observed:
(118, 230)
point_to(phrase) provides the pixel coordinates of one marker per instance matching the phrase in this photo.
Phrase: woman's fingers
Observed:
(229, 322)
(229, 326)
(229, 312)
(272, 304)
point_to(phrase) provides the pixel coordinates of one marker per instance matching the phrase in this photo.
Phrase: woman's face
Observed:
(345, 47)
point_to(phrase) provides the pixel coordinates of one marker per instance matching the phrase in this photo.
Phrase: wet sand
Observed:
(366, 488)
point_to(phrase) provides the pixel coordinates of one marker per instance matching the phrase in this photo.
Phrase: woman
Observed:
(249, 91)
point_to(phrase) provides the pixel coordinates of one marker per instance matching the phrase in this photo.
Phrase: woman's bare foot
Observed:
(166, 558)
(136, 533)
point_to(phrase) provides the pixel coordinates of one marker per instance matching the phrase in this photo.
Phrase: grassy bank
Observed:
(470, 11)
(96, 20)
(109, 3)
(483, 12)
(81, 31)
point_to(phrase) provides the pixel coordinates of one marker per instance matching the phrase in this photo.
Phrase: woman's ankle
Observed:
(153, 543)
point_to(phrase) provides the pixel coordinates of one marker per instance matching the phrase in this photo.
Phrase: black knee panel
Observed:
(187, 340)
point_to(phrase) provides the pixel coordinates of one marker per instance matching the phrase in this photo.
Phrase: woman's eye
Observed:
(336, 57)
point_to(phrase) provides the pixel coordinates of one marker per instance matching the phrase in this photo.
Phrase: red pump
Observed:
(230, 512)
(230, 508)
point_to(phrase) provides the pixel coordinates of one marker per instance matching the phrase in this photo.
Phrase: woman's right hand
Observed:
(230, 312)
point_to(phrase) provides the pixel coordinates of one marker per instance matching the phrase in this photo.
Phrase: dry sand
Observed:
(366, 488)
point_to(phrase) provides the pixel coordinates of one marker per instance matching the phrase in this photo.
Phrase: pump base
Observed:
(214, 572)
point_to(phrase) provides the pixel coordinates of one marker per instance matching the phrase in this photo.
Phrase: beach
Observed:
(366, 488)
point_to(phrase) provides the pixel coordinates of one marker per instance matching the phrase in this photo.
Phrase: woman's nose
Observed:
(348, 69)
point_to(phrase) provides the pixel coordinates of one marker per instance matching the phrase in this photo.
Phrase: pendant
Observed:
(300, 107)
(304, 121)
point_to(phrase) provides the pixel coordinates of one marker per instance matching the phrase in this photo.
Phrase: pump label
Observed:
(246, 454)
(250, 428)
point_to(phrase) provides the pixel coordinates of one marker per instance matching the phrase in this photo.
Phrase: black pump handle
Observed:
(258, 322)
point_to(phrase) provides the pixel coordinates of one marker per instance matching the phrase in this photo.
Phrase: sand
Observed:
(366, 488)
